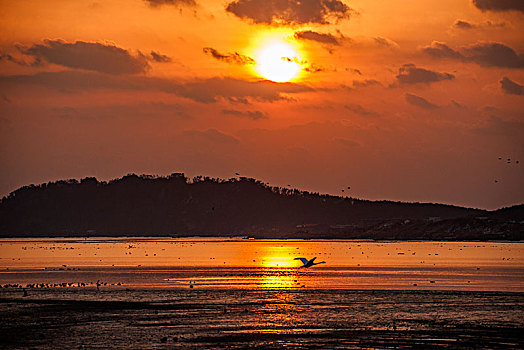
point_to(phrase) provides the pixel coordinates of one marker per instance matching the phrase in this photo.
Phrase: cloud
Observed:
(366, 83)
(441, 50)
(420, 102)
(211, 135)
(495, 24)
(255, 115)
(235, 90)
(235, 57)
(457, 105)
(289, 12)
(353, 70)
(157, 3)
(491, 54)
(460, 24)
(158, 57)
(132, 110)
(323, 38)
(499, 5)
(384, 42)
(346, 142)
(315, 68)
(358, 109)
(410, 74)
(496, 126)
(204, 90)
(97, 57)
(77, 81)
(487, 54)
(510, 87)
(19, 61)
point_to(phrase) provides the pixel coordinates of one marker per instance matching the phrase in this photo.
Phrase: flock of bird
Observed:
(508, 161)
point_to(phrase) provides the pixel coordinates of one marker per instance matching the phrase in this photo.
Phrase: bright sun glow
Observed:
(277, 61)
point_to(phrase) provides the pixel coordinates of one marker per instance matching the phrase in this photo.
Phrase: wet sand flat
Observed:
(275, 318)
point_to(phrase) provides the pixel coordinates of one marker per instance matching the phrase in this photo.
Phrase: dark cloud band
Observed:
(204, 90)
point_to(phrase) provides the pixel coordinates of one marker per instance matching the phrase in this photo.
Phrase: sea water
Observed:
(250, 264)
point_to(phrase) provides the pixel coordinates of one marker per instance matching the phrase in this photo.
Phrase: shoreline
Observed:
(232, 239)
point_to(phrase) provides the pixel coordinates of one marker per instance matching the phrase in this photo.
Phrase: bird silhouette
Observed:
(308, 263)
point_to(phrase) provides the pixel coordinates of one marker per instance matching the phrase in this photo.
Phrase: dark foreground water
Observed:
(271, 318)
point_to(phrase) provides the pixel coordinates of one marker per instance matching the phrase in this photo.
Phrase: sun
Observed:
(277, 61)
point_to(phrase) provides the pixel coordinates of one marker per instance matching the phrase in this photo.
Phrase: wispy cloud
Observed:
(158, 3)
(324, 38)
(255, 115)
(158, 57)
(235, 57)
(358, 109)
(420, 102)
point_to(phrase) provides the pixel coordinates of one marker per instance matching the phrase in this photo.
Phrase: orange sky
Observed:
(412, 100)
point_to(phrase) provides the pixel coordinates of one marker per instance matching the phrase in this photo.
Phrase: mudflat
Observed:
(271, 318)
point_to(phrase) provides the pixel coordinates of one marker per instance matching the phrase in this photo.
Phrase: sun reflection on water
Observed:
(280, 278)
(280, 270)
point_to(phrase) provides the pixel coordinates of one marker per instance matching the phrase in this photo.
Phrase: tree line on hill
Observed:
(145, 205)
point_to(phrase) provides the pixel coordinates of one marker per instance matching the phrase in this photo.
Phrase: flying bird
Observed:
(309, 263)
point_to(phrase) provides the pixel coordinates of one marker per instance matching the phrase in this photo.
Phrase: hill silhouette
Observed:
(147, 205)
